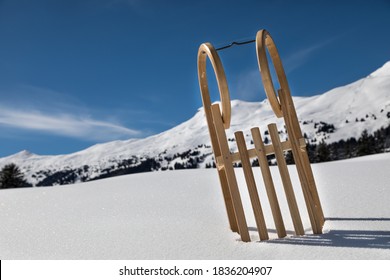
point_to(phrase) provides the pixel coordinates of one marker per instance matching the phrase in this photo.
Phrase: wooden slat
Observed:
(228, 200)
(268, 182)
(309, 201)
(230, 175)
(251, 184)
(301, 158)
(288, 188)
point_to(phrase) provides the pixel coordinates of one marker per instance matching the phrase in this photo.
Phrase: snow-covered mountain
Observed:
(340, 113)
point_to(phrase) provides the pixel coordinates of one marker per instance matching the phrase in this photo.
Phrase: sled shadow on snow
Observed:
(375, 239)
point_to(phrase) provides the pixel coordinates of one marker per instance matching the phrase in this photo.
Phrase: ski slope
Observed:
(181, 215)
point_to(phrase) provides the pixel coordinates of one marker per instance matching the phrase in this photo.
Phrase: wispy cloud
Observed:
(28, 108)
(300, 57)
(80, 127)
(249, 86)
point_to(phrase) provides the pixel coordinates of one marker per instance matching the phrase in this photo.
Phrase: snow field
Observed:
(181, 215)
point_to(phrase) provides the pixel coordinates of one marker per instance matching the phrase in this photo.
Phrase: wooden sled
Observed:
(219, 119)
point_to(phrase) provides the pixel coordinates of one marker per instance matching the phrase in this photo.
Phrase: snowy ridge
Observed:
(340, 113)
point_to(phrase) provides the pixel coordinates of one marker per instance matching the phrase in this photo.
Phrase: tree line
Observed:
(366, 144)
(12, 177)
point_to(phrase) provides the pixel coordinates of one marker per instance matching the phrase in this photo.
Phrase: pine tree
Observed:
(323, 153)
(12, 177)
(366, 144)
(289, 157)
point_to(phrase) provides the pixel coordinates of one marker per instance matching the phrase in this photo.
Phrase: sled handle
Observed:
(264, 41)
(207, 50)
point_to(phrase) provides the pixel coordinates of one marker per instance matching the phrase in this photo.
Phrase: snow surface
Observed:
(181, 215)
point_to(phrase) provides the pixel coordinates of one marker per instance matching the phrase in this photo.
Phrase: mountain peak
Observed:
(24, 154)
(18, 157)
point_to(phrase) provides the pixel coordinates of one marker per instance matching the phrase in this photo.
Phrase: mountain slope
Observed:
(337, 114)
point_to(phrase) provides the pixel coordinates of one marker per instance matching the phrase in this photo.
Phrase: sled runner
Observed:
(218, 120)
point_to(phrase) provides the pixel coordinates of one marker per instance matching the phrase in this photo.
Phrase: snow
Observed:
(181, 215)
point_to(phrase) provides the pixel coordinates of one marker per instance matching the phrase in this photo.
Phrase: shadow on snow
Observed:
(376, 239)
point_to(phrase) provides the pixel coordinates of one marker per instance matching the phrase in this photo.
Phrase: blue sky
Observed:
(76, 73)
